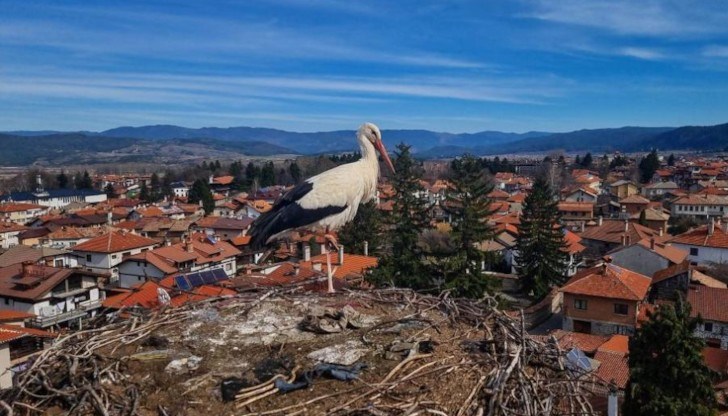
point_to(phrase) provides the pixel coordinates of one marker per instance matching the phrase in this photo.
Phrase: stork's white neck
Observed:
(368, 153)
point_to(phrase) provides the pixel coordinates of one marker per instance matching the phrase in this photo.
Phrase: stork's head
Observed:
(371, 132)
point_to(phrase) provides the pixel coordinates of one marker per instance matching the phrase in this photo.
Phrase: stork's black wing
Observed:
(288, 214)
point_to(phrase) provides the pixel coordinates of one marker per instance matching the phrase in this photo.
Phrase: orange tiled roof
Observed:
(673, 254)
(587, 343)
(576, 206)
(201, 293)
(573, 242)
(700, 237)
(611, 231)
(10, 227)
(354, 264)
(617, 343)
(613, 367)
(144, 295)
(223, 180)
(113, 242)
(242, 240)
(708, 302)
(716, 359)
(7, 315)
(608, 281)
(152, 212)
(17, 207)
(12, 332)
(634, 199)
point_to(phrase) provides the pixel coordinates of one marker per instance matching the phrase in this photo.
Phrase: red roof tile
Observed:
(709, 302)
(701, 237)
(587, 343)
(613, 367)
(114, 242)
(7, 315)
(608, 281)
(12, 332)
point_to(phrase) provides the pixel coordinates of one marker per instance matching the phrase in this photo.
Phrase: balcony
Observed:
(81, 311)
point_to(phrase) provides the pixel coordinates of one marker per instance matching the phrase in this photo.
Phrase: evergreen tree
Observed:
(671, 160)
(155, 188)
(402, 264)
(668, 376)
(268, 175)
(469, 206)
(84, 181)
(366, 226)
(144, 193)
(643, 218)
(252, 173)
(540, 256)
(62, 180)
(201, 192)
(218, 166)
(295, 171)
(109, 190)
(577, 161)
(648, 166)
(587, 161)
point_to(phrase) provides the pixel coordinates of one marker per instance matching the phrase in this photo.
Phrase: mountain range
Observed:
(174, 143)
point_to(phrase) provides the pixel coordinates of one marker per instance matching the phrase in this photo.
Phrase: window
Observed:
(7, 301)
(621, 308)
(580, 304)
(113, 256)
(693, 251)
(228, 266)
(88, 257)
(708, 327)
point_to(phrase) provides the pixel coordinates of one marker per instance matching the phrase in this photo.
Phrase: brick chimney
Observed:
(27, 269)
(306, 252)
(652, 243)
(341, 254)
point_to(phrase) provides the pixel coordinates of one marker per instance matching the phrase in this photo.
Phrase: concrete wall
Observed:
(132, 273)
(6, 377)
(639, 259)
(705, 254)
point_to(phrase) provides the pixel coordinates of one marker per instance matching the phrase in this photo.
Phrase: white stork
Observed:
(327, 201)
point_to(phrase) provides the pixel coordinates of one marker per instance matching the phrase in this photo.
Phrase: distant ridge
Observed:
(136, 143)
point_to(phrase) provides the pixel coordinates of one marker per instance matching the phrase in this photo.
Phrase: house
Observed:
(66, 237)
(659, 189)
(633, 204)
(18, 345)
(605, 299)
(32, 236)
(21, 213)
(700, 206)
(706, 244)
(9, 232)
(153, 295)
(622, 189)
(607, 235)
(102, 254)
(581, 194)
(666, 283)
(41, 255)
(58, 296)
(223, 228)
(198, 253)
(655, 218)
(647, 256)
(709, 303)
(180, 189)
(576, 211)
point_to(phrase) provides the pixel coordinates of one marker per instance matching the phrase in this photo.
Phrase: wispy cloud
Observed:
(715, 51)
(642, 53)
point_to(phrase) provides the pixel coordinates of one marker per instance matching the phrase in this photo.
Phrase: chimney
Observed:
(341, 254)
(612, 402)
(167, 242)
(296, 269)
(599, 221)
(27, 268)
(211, 179)
(652, 243)
(660, 231)
(626, 225)
(624, 239)
(583, 226)
(109, 218)
(317, 266)
(189, 247)
(306, 252)
(711, 227)
(366, 248)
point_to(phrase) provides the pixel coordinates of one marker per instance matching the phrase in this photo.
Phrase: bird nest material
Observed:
(414, 354)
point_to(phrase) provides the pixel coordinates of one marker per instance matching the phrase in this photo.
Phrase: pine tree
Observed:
(648, 166)
(201, 192)
(295, 171)
(540, 256)
(587, 161)
(577, 161)
(671, 160)
(402, 264)
(366, 226)
(144, 193)
(62, 180)
(84, 181)
(268, 175)
(643, 218)
(469, 206)
(109, 190)
(668, 376)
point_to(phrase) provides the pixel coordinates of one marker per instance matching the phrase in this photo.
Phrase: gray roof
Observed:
(21, 253)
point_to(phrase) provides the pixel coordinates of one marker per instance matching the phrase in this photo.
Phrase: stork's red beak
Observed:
(383, 151)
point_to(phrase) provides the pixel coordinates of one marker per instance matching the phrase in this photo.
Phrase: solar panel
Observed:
(220, 274)
(195, 279)
(182, 283)
(208, 277)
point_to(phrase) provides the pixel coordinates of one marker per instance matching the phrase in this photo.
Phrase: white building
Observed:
(180, 189)
(705, 245)
(700, 206)
(102, 254)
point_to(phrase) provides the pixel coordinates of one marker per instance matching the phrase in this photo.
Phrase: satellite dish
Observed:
(163, 296)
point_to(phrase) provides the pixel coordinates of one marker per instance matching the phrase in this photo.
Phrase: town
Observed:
(622, 237)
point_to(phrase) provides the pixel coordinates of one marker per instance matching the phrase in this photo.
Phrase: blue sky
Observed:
(310, 65)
